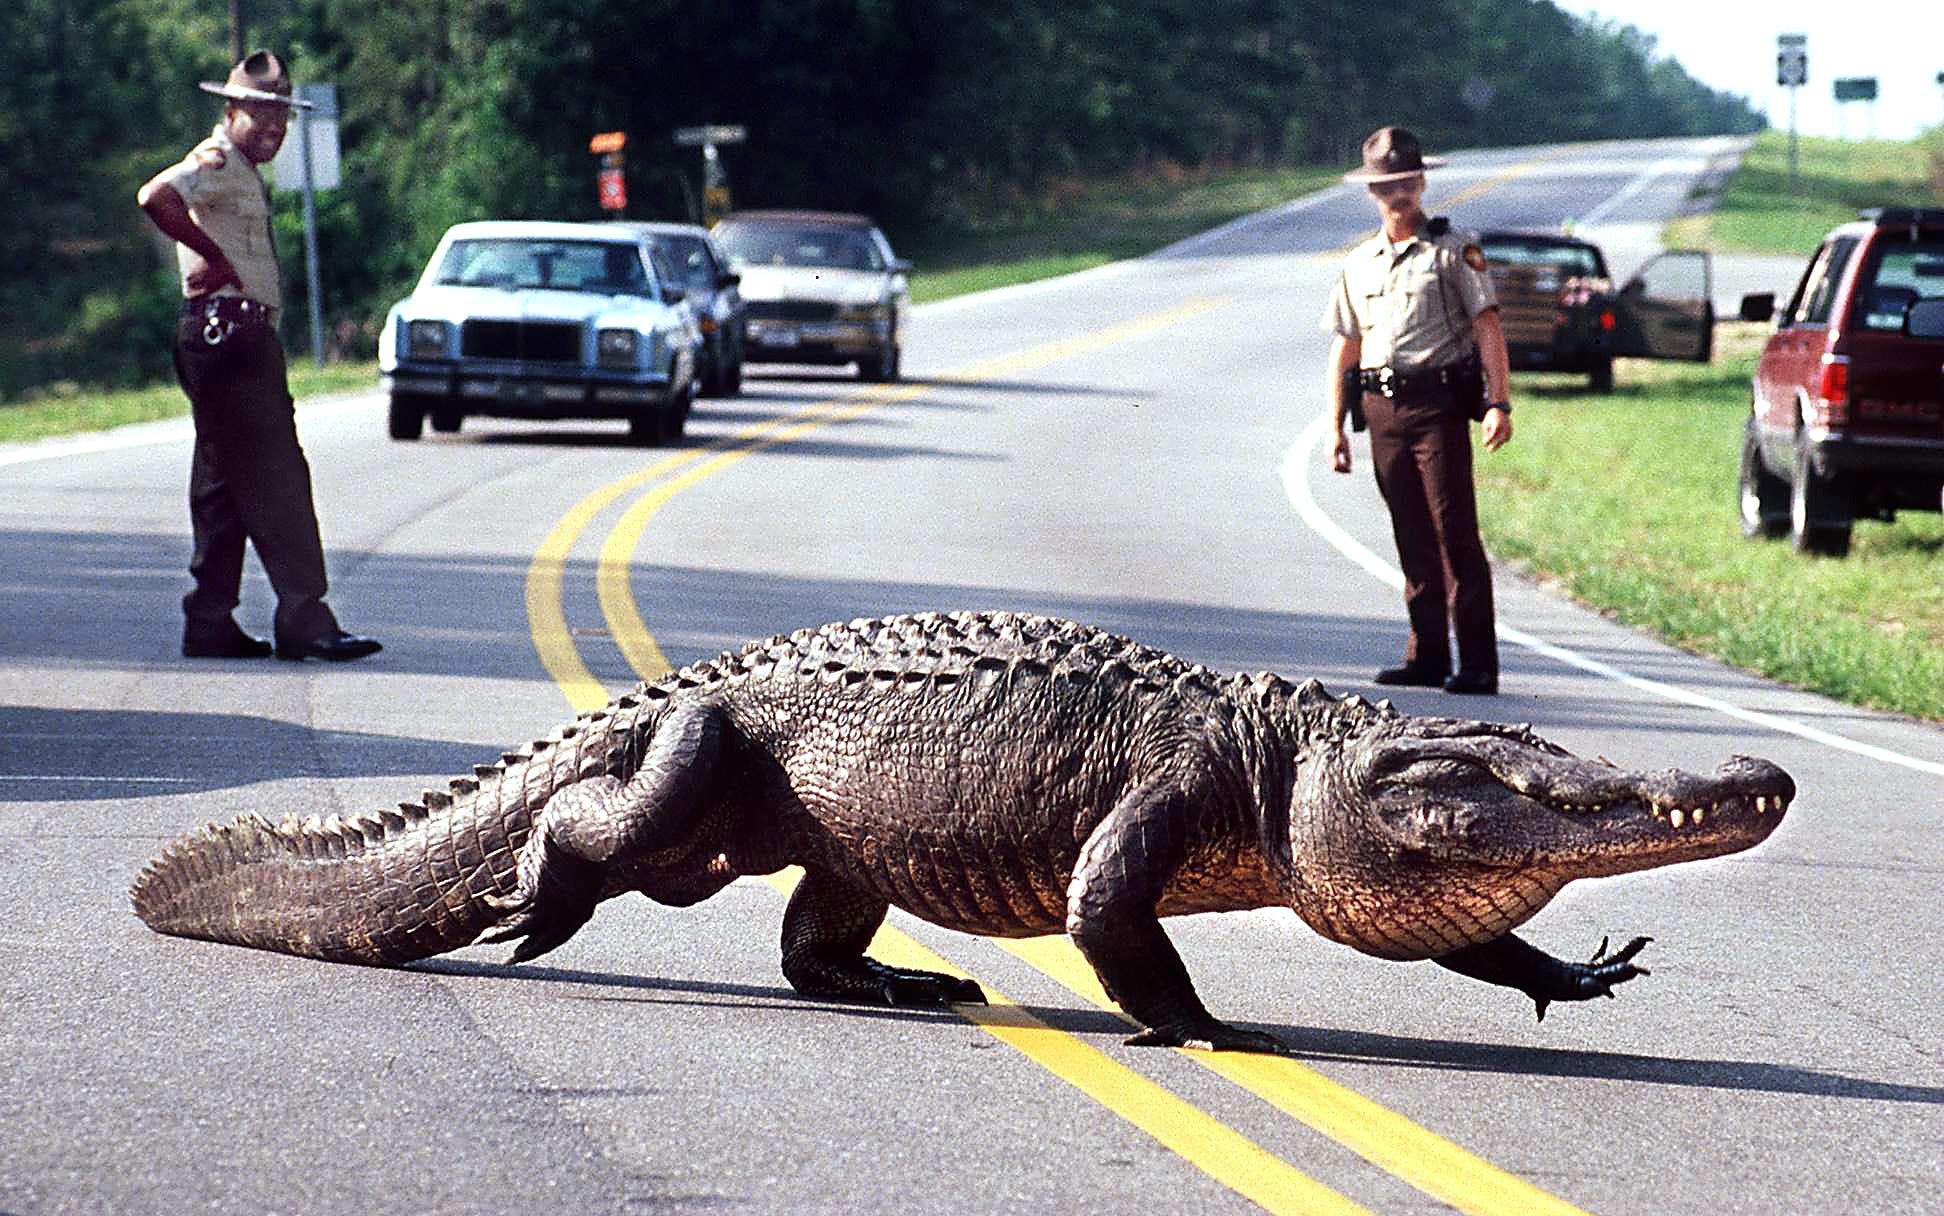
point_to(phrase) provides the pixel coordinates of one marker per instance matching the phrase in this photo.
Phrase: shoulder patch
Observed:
(1475, 257)
(209, 155)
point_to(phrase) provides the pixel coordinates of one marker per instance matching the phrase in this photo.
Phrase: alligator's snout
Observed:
(1742, 784)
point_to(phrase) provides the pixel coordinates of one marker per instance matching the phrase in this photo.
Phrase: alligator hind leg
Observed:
(826, 929)
(589, 826)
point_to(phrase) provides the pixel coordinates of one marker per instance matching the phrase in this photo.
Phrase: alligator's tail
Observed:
(382, 889)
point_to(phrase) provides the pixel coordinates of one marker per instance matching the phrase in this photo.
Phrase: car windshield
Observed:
(1901, 273)
(690, 257)
(513, 262)
(1567, 259)
(799, 245)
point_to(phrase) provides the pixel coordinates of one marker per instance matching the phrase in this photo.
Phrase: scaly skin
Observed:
(998, 774)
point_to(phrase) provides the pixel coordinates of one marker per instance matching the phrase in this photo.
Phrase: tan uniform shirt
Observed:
(1412, 307)
(227, 197)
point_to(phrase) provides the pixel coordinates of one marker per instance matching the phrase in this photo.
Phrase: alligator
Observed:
(996, 773)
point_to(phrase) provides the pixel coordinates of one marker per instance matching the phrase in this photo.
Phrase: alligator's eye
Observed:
(1439, 773)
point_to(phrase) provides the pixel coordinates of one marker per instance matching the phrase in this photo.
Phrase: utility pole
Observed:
(1792, 72)
(238, 21)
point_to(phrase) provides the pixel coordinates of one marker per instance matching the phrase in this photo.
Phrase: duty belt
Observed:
(221, 315)
(1389, 382)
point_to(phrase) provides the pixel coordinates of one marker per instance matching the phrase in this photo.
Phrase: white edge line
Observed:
(1295, 477)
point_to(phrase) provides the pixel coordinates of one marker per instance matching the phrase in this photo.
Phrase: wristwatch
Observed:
(1499, 405)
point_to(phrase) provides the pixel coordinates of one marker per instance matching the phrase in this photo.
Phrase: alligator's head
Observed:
(1411, 836)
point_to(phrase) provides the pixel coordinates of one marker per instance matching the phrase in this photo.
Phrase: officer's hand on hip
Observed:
(1498, 429)
(1340, 458)
(211, 275)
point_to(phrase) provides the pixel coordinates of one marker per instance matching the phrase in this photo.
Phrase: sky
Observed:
(1730, 45)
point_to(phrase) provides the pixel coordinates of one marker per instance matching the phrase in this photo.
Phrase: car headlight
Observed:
(427, 339)
(617, 347)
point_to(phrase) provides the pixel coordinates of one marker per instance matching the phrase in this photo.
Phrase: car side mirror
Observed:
(674, 295)
(1925, 319)
(729, 278)
(1759, 306)
(900, 266)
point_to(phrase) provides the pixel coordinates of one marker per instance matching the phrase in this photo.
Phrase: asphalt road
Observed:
(1135, 447)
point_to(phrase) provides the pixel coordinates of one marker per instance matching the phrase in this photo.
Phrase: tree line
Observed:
(926, 113)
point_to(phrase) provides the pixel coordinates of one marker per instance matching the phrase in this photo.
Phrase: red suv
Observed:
(1848, 417)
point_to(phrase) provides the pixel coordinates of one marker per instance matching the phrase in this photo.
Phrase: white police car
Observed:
(530, 319)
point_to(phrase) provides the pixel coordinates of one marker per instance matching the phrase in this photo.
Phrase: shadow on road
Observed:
(86, 755)
(1308, 1044)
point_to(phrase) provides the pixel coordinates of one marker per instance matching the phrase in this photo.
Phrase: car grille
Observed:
(792, 310)
(528, 341)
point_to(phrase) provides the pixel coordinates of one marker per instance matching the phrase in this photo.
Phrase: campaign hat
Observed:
(1391, 154)
(260, 77)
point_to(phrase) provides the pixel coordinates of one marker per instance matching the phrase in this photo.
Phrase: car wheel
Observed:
(1600, 376)
(881, 368)
(407, 416)
(447, 422)
(675, 414)
(1819, 510)
(1765, 507)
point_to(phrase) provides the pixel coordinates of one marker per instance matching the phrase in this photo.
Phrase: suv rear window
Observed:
(1818, 289)
(1900, 273)
(766, 244)
(1568, 259)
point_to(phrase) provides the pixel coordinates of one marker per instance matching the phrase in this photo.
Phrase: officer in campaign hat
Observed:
(1419, 355)
(249, 479)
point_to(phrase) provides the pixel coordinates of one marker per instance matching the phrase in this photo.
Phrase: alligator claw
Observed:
(928, 988)
(1215, 1036)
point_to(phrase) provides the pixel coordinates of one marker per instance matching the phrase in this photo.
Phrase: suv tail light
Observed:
(1832, 391)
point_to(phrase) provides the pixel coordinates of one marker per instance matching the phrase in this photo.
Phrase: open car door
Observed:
(1666, 311)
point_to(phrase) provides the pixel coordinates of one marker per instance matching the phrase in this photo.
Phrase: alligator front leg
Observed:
(1513, 963)
(825, 931)
(1116, 885)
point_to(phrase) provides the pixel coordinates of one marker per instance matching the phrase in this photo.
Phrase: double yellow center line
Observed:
(1413, 1154)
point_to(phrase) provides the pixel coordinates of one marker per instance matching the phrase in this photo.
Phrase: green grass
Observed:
(64, 410)
(1628, 503)
(1759, 213)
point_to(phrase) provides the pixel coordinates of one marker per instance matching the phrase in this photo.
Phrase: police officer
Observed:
(249, 478)
(1420, 354)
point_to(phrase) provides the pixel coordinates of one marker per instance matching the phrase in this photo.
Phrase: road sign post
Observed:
(311, 163)
(1792, 72)
(715, 178)
(1857, 88)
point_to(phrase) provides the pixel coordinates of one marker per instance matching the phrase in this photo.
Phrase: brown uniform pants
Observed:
(249, 480)
(1423, 457)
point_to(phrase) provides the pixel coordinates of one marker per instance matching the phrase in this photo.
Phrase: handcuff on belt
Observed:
(216, 326)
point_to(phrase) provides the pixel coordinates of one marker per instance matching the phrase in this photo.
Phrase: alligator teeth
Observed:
(1698, 811)
(1677, 817)
(1761, 804)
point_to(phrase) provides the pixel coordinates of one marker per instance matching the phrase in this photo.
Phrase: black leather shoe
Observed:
(1413, 675)
(1475, 683)
(339, 647)
(222, 643)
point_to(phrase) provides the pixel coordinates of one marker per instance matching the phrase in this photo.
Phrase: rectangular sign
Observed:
(714, 134)
(1856, 88)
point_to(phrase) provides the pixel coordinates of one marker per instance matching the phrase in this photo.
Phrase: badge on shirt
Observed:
(210, 156)
(1475, 258)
